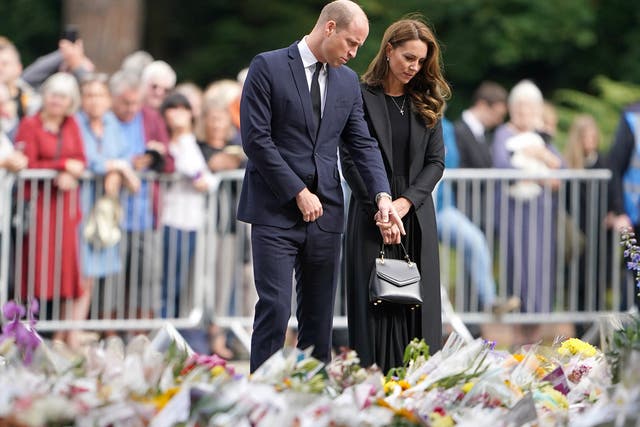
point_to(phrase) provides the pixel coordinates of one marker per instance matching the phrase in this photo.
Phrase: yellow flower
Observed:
(467, 387)
(540, 372)
(438, 420)
(389, 386)
(407, 414)
(519, 357)
(217, 370)
(161, 400)
(404, 384)
(576, 346)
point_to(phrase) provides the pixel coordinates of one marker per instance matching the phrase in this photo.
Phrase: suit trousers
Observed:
(313, 255)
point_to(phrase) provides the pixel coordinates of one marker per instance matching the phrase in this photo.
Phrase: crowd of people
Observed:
(61, 114)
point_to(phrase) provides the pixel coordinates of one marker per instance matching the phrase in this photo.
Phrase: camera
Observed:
(70, 33)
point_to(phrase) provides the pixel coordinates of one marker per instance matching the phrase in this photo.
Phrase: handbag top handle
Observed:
(404, 250)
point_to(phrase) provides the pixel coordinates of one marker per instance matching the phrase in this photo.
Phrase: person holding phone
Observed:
(69, 57)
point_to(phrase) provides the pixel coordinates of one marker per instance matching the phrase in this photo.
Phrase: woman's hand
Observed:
(391, 235)
(201, 184)
(142, 162)
(112, 184)
(224, 161)
(402, 205)
(74, 167)
(66, 182)
(15, 162)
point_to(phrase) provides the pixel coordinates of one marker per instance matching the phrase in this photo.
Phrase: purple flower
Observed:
(12, 310)
(631, 253)
(25, 336)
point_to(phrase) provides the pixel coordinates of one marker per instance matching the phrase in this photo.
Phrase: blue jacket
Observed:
(276, 121)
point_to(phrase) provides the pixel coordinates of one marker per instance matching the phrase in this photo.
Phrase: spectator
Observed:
(183, 203)
(221, 154)
(473, 138)
(158, 79)
(146, 138)
(10, 161)
(52, 140)
(69, 57)
(624, 159)
(456, 229)
(581, 152)
(218, 147)
(583, 143)
(530, 214)
(195, 96)
(136, 62)
(22, 99)
(489, 106)
(107, 157)
(224, 94)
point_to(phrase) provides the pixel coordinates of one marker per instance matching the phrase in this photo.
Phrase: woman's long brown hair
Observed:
(428, 89)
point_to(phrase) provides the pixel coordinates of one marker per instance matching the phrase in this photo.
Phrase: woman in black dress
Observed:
(404, 95)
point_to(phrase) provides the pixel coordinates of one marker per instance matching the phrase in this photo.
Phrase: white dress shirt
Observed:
(309, 63)
(474, 124)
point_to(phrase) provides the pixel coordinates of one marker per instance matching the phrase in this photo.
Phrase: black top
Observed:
(207, 150)
(400, 130)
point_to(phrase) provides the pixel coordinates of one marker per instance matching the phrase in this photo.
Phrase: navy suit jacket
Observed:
(285, 155)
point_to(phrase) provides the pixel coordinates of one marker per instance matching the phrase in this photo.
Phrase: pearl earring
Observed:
(387, 59)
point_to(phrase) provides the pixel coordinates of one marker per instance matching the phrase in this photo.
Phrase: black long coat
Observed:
(370, 330)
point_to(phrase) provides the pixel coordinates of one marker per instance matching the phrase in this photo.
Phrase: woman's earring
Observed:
(387, 59)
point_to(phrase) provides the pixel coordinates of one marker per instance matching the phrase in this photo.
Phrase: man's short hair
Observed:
(491, 93)
(123, 80)
(339, 11)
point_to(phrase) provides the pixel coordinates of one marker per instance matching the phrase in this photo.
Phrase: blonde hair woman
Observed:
(581, 151)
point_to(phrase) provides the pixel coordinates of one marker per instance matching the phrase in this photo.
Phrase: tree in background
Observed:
(33, 25)
(110, 29)
(604, 105)
(556, 43)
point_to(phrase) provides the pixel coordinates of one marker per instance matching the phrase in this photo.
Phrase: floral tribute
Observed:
(159, 381)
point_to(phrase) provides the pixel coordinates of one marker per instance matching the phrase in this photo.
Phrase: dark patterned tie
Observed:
(315, 95)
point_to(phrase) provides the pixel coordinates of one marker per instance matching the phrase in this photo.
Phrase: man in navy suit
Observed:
(297, 103)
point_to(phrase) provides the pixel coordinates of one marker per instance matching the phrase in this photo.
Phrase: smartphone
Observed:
(70, 33)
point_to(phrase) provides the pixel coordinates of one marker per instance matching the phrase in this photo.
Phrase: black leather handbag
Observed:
(395, 280)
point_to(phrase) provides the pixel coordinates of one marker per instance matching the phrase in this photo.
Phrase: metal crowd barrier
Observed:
(547, 241)
(130, 292)
(579, 274)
